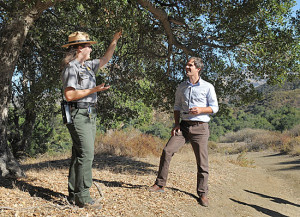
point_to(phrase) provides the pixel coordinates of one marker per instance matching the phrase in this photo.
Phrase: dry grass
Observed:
(123, 180)
(125, 165)
(257, 140)
(295, 131)
(130, 143)
(242, 160)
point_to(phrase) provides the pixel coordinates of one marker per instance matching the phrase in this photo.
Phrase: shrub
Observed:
(290, 145)
(295, 144)
(255, 139)
(158, 129)
(295, 131)
(130, 143)
(242, 160)
(263, 139)
(245, 135)
(212, 145)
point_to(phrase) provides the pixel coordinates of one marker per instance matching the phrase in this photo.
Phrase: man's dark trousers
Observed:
(197, 134)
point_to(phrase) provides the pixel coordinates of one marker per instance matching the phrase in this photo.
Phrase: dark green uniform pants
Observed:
(83, 131)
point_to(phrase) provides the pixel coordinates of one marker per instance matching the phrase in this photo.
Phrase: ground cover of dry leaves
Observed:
(234, 190)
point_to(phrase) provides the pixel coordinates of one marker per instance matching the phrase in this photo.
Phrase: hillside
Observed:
(270, 188)
(292, 85)
(279, 98)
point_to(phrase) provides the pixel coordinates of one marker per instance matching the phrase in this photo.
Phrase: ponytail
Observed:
(70, 56)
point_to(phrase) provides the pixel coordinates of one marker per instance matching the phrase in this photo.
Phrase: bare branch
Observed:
(41, 6)
(176, 21)
(99, 190)
(164, 19)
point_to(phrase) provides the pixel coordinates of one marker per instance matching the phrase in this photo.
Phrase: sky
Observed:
(297, 7)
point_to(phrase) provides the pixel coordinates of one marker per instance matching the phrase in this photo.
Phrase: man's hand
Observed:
(200, 110)
(195, 111)
(175, 129)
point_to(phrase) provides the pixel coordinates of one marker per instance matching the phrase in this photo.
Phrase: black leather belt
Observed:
(82, 105)
(192, 123)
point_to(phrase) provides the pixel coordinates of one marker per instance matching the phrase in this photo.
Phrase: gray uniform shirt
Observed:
(81, 77)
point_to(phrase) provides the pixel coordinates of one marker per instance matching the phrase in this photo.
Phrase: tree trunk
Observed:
(23, 143)
(12, 38)
(12, 35)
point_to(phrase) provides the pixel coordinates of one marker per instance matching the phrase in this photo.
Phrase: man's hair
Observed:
(198, 62)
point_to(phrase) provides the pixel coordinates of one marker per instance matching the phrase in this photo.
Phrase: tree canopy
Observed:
(239, 41)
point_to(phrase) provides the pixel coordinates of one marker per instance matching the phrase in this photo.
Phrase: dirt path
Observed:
(272, 188)
(279, 165)
(269, 189)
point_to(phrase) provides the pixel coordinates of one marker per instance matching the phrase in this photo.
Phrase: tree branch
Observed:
(162, 16)
(43, 5)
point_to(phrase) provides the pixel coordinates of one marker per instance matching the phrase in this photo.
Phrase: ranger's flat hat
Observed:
(79, 38)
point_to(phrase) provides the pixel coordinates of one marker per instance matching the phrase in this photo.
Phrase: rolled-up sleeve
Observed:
(69, 77)
(212, 100)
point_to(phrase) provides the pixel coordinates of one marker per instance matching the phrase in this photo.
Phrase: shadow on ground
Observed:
(275, 155)
(116, 164)
(123, 164)
(187, 193)
(119, 184)
(274, 199)
(266, 211)
(34, 191)
(295, 164)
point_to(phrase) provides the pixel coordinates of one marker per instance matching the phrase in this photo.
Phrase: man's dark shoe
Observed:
(203, 200)
(156, 188)
(94, 204)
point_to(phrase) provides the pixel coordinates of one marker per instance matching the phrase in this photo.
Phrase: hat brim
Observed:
(83, 42)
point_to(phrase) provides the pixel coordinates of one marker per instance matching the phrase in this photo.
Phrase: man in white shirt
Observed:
(195, 99)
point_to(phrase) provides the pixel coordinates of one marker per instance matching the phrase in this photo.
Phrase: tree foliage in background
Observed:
(159, 36)
(278, 110)
(16, 18)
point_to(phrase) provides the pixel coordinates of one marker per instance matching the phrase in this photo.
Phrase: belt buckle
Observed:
(193, 123)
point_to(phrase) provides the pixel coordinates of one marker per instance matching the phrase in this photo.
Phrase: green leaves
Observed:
(240, 42)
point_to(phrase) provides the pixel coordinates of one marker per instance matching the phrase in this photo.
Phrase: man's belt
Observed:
(82, 105)
(192, 123)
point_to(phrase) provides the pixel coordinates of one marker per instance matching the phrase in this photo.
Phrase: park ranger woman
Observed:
(80, 90)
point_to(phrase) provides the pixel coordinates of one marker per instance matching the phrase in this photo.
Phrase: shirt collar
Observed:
(78, 64)
(193, 85)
